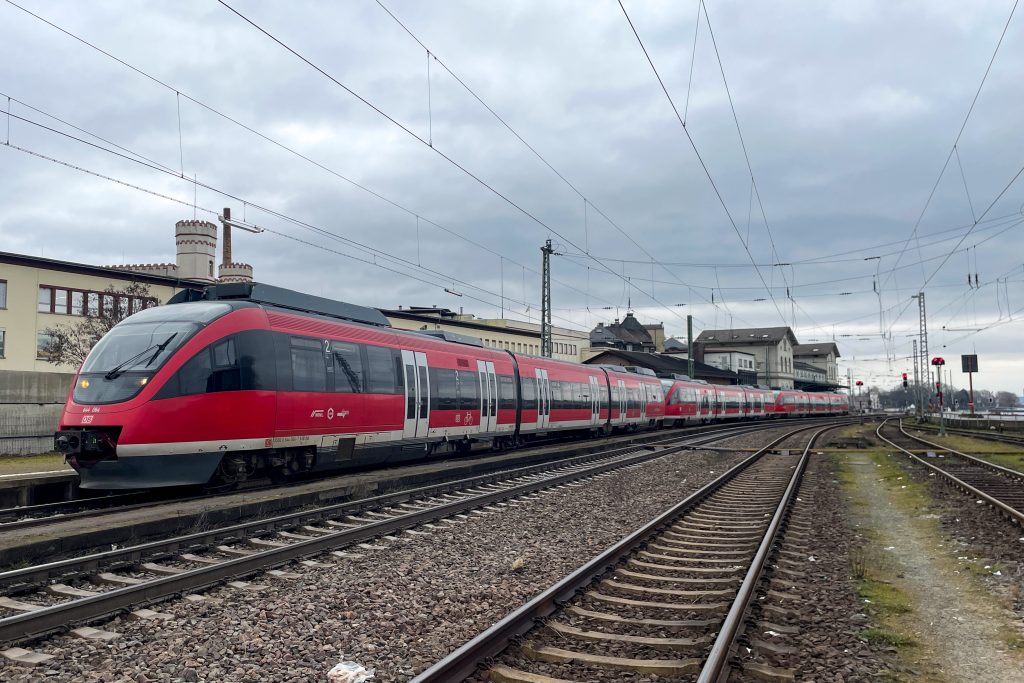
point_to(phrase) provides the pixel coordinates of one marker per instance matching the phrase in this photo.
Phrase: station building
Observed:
(817, 365)
(770, 347)
(511, 335)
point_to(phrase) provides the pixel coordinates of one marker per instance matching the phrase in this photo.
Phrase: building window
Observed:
(65, 301)
(3, 293)
(45, 300)
(3, 342)
(43, 340)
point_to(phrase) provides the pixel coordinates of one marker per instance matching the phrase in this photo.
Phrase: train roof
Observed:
(279, 297)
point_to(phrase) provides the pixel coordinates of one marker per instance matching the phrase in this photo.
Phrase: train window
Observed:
(309, 371)
(529, 385)
(506, 393)
(348, 367)
(224, 353)
(380, 370)
(226, 375)
(194, 375)
(443, 389)
(556, 394)
(240, 362)
(469, 390)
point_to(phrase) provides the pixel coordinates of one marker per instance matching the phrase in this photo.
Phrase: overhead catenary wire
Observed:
(265, 137)
(132, 157)
(533, 218)
(949, 156)
(533, 150)
(703, 165)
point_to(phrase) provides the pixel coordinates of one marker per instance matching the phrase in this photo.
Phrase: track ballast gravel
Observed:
(396, 609)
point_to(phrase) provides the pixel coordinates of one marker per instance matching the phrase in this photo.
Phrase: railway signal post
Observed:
(938, 362)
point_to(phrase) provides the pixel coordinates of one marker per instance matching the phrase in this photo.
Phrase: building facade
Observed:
(771, 348)
(824, 357)
(807, 376)
(510, 335)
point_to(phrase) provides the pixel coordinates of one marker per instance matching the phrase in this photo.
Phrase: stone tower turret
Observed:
(196, 242)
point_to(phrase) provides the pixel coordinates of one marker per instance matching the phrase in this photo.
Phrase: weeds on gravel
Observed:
(866, 561)
(881, 636)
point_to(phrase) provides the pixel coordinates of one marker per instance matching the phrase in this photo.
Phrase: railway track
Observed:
(670, 600)
(975, 434)
(45, 598)
(1001, 487)
(28, 516)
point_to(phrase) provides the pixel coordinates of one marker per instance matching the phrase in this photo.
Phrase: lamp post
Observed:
(938, 362)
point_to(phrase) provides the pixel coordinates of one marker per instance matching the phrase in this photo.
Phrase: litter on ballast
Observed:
(997, 573)
(349, 672)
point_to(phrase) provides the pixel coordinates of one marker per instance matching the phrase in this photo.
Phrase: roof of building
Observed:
(97, 271)
(816, 349)
(630, 331)
(674, 344)
(747, 335)
(660, 363)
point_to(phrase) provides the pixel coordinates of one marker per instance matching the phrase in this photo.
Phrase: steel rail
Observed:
(718, 659)
(462, 662)
(131, 555)
(971, 458)
(1015, 515)
(27, 516)
(37, 623)
(998, 437)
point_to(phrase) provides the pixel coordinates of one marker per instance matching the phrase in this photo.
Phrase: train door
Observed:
(623, 400)
(595, 402)
(488, 396)
(543, 399)
(417, 394)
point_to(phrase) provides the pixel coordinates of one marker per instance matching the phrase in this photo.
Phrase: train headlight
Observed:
(84, 383)
(143, 381)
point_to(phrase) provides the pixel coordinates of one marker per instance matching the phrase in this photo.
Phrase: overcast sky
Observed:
(848, 111)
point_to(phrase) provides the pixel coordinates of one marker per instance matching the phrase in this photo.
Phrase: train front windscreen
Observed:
(127, 357)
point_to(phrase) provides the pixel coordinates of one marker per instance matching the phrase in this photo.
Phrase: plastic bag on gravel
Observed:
(349, 672)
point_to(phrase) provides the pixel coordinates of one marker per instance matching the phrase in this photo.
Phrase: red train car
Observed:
(255, 378)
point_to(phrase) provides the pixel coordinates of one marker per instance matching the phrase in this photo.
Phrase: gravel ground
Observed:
(396, 609)
(982, 538)
(828, 617)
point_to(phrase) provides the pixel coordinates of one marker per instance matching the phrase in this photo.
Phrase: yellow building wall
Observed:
(21, 321)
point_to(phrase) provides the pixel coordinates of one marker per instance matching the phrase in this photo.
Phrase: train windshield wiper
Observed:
(118, 369)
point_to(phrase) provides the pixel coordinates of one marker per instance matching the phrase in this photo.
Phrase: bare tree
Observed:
(70, 344)
(1006, 399)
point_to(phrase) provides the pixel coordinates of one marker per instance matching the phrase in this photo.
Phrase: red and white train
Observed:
(691, 402)
(249, 378)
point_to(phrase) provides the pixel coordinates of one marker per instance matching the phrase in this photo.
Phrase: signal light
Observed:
(904, 380)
